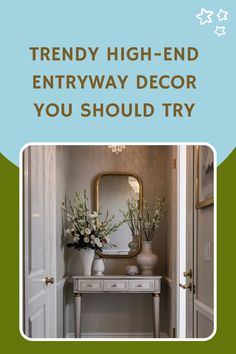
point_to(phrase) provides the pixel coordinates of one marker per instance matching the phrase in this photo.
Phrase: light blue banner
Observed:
(155, 24)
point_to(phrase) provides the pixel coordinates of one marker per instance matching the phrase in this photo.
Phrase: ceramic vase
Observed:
(86, 260)
(147, 259)
(98, 266)
(131, 270)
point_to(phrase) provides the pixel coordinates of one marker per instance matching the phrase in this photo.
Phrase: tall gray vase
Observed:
(146, 259)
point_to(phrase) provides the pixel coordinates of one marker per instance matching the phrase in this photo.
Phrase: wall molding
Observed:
(116, 335)
(204, 309)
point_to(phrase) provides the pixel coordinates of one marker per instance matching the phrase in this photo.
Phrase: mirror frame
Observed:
(96, 204)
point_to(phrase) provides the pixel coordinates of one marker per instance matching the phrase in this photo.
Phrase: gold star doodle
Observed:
(205, 16)
(220, 31)
(222, 15)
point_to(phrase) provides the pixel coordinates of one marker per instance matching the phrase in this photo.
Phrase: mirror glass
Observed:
(111, 193)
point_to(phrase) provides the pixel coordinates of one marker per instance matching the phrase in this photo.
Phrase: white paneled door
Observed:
(39, 232)
(196, 257)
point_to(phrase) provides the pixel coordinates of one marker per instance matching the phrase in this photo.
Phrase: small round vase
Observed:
(98, 266)
(86, 260)
(131, 270)
(147, 259)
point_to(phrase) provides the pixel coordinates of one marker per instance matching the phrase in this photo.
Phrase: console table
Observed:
(117, 284)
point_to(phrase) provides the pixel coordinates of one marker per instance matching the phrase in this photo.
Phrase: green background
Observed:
(10, 335)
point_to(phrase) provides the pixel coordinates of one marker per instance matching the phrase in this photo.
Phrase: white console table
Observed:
(117, 284)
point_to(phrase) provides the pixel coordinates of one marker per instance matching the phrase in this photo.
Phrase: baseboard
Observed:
(116, 335)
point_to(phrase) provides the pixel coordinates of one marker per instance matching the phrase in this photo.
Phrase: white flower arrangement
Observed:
(84, 226)
(143, 222)
(150, 223)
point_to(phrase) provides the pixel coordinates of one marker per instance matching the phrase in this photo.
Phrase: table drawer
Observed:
(141, 285)
(90, 285)
(115, 285)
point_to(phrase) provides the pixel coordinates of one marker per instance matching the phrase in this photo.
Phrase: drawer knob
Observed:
(90, 286)
(140, 286)
(114, 285)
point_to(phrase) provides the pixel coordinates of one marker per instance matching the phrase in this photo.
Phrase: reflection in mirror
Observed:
(112, 190)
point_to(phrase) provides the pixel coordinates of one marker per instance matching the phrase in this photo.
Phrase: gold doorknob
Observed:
(49, 280)
(186, 286)
(189, 273)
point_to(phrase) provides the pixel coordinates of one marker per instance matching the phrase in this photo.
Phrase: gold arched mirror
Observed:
(112, 190)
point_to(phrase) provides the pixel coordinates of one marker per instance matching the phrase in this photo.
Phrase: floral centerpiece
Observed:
(150, 223)
(145, 223)
(84, 226)
(87, 232)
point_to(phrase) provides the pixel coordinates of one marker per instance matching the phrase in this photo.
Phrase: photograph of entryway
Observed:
(185, 242)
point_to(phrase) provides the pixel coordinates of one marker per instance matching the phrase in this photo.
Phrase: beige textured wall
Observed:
(120, 313)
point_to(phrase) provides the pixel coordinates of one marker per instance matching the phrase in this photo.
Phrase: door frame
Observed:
(181, 240)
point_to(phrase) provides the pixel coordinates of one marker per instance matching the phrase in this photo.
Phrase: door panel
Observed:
(36, 210)
(203, 258)
(37, 323)
(37, 310)
(199, 256)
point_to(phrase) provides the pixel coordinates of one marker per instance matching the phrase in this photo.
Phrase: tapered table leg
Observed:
(77, 298)
(156, 314)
